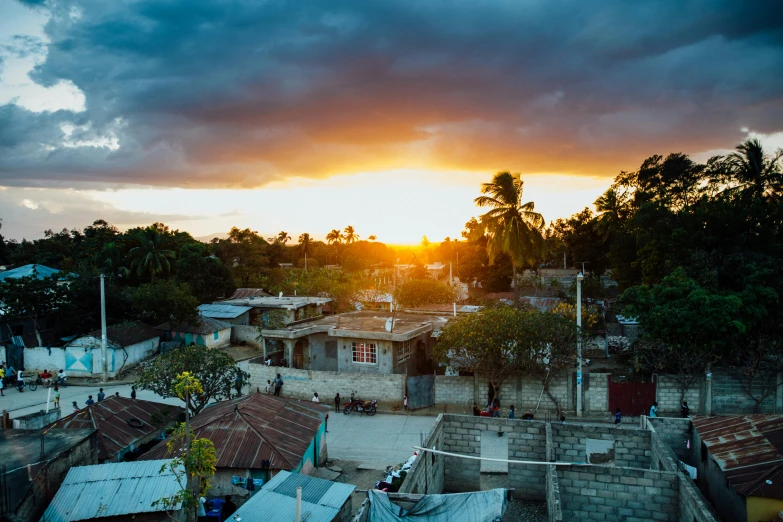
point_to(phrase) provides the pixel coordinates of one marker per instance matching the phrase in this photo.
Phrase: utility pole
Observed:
(579, 278)
(103, 331)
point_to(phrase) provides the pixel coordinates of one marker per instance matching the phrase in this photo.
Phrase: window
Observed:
(216, 335)
(404, 351)
(364, 353)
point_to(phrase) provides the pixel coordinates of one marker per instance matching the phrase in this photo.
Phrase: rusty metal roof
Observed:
(254, 428)
(244, 293)
(111, 416)
(747, 448)
(126, 334)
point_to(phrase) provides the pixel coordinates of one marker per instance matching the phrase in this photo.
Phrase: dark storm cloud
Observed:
(238, 93)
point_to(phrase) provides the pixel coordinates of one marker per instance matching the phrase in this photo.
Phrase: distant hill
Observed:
(210, 237)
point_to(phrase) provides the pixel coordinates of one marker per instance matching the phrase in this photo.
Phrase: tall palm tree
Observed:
(757, 173)
(514, 228)
(304, 244)
(112, 262)
(283, 237)
(149, 257)
(335, 236)
(350, 236)
(611, 206)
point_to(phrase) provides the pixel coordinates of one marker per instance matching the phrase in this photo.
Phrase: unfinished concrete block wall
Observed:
(426, 476)
(301, 384)
(596, 392)
(729, 396)
(676, 433)
(455, 391)
(631, 445)
(618, 494)
(668, 395)
(526, 441)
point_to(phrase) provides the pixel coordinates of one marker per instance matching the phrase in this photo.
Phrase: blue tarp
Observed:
(479, 506)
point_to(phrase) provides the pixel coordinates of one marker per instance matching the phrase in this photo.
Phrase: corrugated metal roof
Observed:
(204, 325)
(322, 499)
(222, 311)
(746, 447)
(257, 427)
(107, 490)
(111, 416)
(41, 272)
(126, 334)
(243, 293)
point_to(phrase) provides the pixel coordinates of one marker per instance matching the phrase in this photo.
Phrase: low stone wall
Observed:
(427, 476)
(668, 395)
(618, 494)
(729, 397)
(244, 333)
(301, 384)
(34, 421)
(631, 445)
(676, 433)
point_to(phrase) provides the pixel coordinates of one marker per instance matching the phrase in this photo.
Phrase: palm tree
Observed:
(149, 257)
(513, 227)
(350, 236)
(112, 262)
(757, 173)
(611, 206)
(283, 237)
(304, 244)
(335, 236)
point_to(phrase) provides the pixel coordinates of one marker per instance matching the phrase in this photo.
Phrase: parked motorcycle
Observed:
(368, 407)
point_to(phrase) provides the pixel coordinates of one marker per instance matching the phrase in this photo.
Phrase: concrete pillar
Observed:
(288, 352)
(708, 393)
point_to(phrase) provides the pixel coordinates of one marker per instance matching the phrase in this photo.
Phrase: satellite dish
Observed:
(389, 324)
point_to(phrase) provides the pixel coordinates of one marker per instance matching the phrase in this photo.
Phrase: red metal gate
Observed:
(633, 398)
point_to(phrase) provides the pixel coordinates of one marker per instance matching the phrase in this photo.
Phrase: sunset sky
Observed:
(385, 115)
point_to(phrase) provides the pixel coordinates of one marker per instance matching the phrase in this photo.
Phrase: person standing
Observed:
(268, 386)
(278, 384)
(89, 401)
(20, 379)
(618, 418)
(133, 392)
(511, 412)
(75, 407)
(405, 402)
(684, 410)
(653, 410)
(476, 410)
(315, 397)
(56, 396)
(202, 512)
(337, 402)
(101, 395)
(1, 388)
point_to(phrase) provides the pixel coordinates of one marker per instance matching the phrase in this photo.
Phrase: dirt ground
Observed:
(363, 479)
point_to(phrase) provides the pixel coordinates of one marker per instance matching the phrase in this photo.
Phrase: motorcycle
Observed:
(368, 407)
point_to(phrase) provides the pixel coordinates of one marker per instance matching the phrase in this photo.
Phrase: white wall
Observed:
(39, 359)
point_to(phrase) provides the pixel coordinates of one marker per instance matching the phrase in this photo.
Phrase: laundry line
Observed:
(534, 462)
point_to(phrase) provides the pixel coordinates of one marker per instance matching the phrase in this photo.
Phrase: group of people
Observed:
(685, 411)
(11, 376)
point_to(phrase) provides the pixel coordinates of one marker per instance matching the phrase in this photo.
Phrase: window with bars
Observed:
(404, 351)
(364, 353)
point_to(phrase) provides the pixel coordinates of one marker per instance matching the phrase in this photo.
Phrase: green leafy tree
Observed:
(214, 369)
(514, 228)
(418, 292)
(150, 258)
(163, 301)
(112, 262)
(32, 298)
(208, 277)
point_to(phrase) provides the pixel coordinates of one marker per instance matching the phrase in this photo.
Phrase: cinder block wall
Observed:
(668, 395)
(676, 433)
(301, 384)
(728, 396)
(632, 445)
(426, 476)
(618, 494)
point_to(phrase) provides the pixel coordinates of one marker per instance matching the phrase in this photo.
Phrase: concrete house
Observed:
(292, 308)
(739, 462)
(212, 333)
(118, 492)
(128, 344)
(363, 342)
(125, 426)
(257, 436)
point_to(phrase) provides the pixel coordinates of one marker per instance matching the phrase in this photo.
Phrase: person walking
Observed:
(337, 401)
(56, 396)
(133, 392)
(101, 395)
(618, 418)
(684, 410)
(653, 410)
(278, 384)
